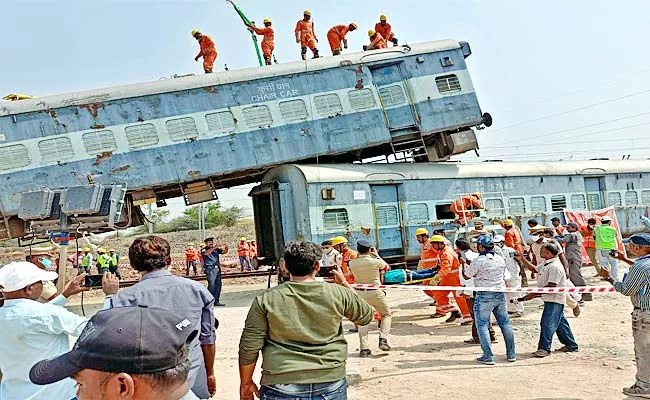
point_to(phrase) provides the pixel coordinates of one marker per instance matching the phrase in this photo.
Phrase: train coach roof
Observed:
(402, 171)
(218, 78)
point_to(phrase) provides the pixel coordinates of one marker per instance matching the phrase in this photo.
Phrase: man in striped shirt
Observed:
(636, 284)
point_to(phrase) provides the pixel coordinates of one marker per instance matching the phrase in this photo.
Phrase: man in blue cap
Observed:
(636, 284)
(488, 271)
(368, 268)
(134, 353)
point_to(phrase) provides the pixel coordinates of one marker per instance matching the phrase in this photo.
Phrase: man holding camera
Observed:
(636, 284)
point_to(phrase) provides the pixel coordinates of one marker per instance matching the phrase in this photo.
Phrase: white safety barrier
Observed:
(581, 289)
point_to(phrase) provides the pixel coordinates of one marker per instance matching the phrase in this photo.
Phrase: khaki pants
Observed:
(591, 252)
(641, 332)
(377, 299)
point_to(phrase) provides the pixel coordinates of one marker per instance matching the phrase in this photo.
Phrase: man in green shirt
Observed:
(606, 241)
(297, 327)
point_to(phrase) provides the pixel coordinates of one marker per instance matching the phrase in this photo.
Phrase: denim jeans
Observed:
(553, 322)
(213, 273)
(609, 262)
(487, 303)
(245, 263)
(317, 391)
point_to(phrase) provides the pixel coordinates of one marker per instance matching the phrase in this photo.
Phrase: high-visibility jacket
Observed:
(242, 249)
(345, 259)
(191, 254)
(605, 237)
(449, 266)
(206, 46)
(87, 260)
(377, 42)
(307, 36)
(252, 252)
(115, 259)
(428, 256)
(588, 240)
(385, 30)
(103, 260)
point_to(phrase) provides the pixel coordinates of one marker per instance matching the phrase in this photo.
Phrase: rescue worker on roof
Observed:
(207, 50)
(385, 30)
(377, 41)
(268, 44)
(428, 258)
(336, 35)
(306, 36)
(464, 205)
(448, 276)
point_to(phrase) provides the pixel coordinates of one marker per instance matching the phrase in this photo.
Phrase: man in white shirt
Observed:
(331, 256)
(551, 274)
(32, 331)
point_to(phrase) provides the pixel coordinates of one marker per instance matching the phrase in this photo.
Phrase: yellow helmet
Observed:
(267, 20)
(382, 17)
(111, 250)
(306, 12)
(437, 239)
(338, 240)
(508, 222)
(202, 245)
(101, 250)
(86, 249)
(421, 231)
(195, 31)
(190, 244)
(242, 239)
(477, 195)
(355, 25)
(371, 33)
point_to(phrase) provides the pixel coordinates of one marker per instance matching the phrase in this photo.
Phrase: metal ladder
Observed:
(410, 150)
(491, 212)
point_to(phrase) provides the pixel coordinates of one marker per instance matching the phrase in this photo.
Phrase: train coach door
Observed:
(273, 215)
(595, 188)
(395, 97)
(388, 220)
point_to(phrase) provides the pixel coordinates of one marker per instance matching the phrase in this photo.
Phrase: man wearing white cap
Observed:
(606, 241)
(33, 331)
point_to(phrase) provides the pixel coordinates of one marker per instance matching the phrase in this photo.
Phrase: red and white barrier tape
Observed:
(581, 289)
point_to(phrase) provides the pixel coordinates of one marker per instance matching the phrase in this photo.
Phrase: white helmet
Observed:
(498, 239)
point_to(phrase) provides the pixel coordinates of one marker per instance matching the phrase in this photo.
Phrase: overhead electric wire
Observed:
(570, 111)
(562, 143)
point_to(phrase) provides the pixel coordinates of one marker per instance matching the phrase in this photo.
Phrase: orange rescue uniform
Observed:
(336, 35)
(307, 35)
(191, 254)
(208, 52)
(377, 42)
(462, 207)
(268, 44)
(242, 249)
(385, 31)
(252, 252)
(428, 259)
(449, 276)
(513, 240)
(345, 259)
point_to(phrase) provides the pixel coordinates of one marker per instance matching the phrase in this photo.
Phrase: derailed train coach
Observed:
(188, 136)
(386, 203)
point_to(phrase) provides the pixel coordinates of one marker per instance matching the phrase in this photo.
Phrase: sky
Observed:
(562, 79)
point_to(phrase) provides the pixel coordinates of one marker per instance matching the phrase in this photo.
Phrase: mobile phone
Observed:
(613, 253)
(93, 281)
(325, 272)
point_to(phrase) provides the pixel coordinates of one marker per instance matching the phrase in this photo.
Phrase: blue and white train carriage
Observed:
(386, 203)
(166, 138)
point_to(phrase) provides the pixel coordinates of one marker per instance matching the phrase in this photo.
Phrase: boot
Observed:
(453, 317)
(365, 353)
(383, 345)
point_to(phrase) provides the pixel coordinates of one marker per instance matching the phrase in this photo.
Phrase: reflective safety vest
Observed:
(103, 260)
(605, 237)
(87, 260)
(115, 259)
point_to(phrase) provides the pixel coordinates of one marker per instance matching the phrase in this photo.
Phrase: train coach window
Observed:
(257, 116)
(392, 95)
(14, 156)
(140, 136)
(631, 198)
(56, 149)
(538, 204)
(448, 83)
(328, 104)
(99, 142)
(494, 207)
(418, 212)
(517, 205)
(614, 199)
(293, 110)
(361, 99)
(387, 216)
(220, 122)
(181, 129)
(645, 197)
(443, 211)
(335, 218)
(578, 202)
(558, 202)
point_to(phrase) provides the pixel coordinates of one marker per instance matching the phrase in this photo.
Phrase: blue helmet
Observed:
(485, 241)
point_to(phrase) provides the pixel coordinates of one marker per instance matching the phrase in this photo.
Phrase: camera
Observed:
(93, 281)
(325, 272)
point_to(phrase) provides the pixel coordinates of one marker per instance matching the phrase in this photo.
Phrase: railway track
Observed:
(232, 275)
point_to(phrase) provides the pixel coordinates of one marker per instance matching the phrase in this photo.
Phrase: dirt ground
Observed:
(430, 360)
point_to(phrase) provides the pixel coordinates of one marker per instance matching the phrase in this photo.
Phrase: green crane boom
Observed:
(253, 35)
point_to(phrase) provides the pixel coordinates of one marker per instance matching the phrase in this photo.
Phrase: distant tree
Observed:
(215, 216)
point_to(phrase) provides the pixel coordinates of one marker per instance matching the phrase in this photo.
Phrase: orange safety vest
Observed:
(345, 259)
(191, 255)
(242, 249)
(428, 256)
